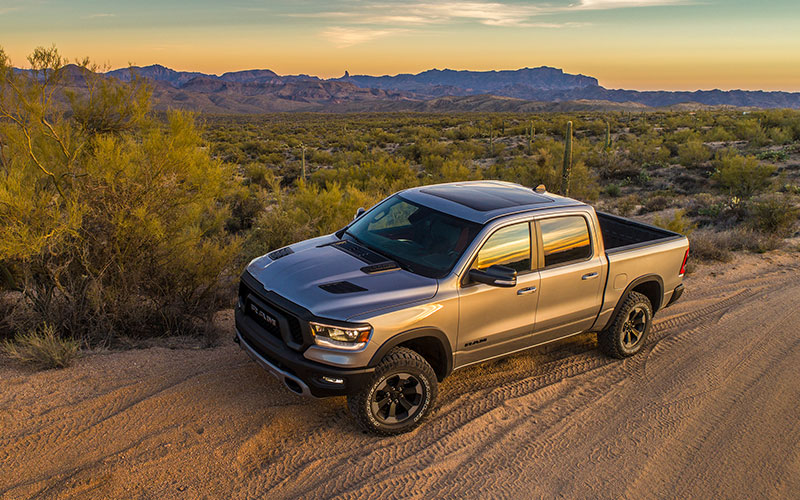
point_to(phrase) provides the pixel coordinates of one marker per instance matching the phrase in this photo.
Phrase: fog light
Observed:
(333, 380)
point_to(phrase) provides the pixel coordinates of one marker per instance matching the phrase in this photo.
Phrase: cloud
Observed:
(622, 4)
(385, 19)
(346, 36)
(6, 10)
(100, 15)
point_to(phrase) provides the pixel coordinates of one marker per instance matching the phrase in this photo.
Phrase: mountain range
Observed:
(526, 89)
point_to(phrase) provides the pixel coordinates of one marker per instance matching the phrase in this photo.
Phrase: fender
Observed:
(633, 284)
(417, 333)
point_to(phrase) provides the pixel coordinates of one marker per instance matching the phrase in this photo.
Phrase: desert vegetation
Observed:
(116, 221)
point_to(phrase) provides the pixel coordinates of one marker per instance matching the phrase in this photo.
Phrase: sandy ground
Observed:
(708, 410)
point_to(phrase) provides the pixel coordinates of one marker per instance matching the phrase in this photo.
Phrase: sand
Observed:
(709, 409)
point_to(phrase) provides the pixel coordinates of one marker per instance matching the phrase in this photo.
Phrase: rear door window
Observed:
(565, 239)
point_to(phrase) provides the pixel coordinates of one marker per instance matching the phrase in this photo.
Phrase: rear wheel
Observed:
(627, 333)
(399, 395)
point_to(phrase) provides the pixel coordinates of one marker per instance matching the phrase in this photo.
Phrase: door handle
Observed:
(589, 276)
(525, 291)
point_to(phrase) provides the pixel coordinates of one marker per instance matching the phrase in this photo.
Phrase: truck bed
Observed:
(635, 250)
(622, 234)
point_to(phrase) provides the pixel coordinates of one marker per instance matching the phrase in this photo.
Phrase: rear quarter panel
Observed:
(661, 258)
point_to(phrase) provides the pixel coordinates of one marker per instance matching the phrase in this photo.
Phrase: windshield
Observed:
(418, 238)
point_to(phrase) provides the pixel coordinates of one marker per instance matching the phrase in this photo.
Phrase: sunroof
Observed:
(485, 198)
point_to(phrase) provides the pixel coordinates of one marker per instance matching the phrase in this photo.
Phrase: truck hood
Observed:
(298, 276)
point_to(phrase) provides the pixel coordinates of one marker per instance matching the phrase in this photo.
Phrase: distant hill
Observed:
(517, 83)
(526, 89)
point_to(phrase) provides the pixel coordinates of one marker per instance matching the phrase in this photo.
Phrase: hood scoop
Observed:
(339, 287)
(281, 252)
(380, 267)
(363, 254)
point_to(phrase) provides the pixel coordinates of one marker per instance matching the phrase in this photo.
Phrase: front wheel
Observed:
(398, 396)
(627, 333)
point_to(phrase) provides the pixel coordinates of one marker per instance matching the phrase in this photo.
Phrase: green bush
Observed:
(743, 176)
(776, 214)
(41, 348)
(612, 190)
(305, 212)
(113, 220)
(678, 223)
(693, 153)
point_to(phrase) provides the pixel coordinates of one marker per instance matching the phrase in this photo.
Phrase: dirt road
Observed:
(709, 409)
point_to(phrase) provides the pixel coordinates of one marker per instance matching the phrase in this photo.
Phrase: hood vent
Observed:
(342, 287)
(281, 252)
(364, 254)
(380, 267)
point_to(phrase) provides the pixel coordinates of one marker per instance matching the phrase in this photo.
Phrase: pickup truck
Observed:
(436, 278)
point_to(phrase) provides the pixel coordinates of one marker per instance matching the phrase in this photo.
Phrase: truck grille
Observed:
(271, 313)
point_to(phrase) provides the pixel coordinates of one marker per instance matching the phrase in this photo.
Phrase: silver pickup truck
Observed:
(436, 278)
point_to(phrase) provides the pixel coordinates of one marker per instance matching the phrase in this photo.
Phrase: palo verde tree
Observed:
(111, 221)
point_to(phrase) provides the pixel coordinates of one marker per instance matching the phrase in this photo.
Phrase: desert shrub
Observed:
(790, 188)
(775, 214)
(113, 219)
(656, 203)
(678, 223)
(780, 135)
(305, 212)
(260, 174)
(612, 190)
(751, 130)
(743, 176)
(626, 205)
(613, 164)
(710, 245)
(773, 155)
(455, 170)
(246, 202)
(383, 174)
(693, 152)
(718, 134)
(42, 348)
(546, 169)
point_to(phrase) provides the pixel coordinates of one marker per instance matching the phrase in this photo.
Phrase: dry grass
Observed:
(42, 348)
(709, 245)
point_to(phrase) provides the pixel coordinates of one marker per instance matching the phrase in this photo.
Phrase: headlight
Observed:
(340, 337)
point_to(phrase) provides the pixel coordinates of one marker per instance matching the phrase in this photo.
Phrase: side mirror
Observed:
(359, 213)
(501, 276)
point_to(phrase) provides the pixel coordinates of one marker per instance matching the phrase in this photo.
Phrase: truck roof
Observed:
(482, 201)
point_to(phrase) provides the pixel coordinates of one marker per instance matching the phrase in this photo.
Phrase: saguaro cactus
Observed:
(567, 168)
(303, 156)
(531, 135)
(607, 144)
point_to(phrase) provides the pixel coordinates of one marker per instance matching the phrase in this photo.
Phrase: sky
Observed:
(632, 44)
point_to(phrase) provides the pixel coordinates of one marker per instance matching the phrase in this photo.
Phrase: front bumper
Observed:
(297, 373)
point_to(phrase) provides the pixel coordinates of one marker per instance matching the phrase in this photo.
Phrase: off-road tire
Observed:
(399, 360)
(616, 340)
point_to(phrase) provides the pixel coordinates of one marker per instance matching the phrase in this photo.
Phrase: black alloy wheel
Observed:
(627, 332)
(397, 398)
